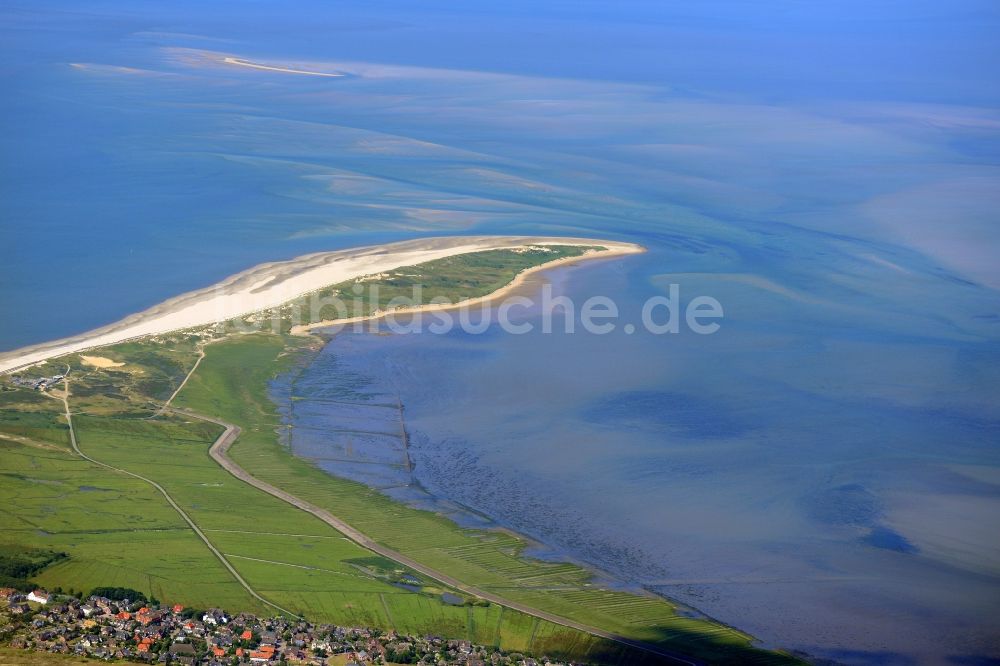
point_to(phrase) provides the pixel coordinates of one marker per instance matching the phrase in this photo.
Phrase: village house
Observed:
(99, 629)
(181, 649)
(214, 617)
(149, 617)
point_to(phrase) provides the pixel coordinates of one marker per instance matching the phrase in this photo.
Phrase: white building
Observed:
(214, 617)
(39, 596)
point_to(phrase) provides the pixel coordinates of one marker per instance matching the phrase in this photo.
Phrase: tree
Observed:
(118, 593)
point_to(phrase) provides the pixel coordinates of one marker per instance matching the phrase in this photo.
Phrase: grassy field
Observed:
(120, 531)
(12, 657)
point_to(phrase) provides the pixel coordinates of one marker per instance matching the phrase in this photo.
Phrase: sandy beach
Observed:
(272, 284)
(499, 294)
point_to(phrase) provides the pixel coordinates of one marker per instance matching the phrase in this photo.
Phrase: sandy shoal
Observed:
(274, 68)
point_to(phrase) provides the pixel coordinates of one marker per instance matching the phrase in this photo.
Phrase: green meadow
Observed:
(117, 530)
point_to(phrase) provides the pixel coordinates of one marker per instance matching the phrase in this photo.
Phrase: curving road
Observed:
(218, 452)
(170, 500)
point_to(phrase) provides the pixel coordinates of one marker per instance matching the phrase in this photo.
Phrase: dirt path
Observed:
(166, 405)
(201, 535)
(24, 441)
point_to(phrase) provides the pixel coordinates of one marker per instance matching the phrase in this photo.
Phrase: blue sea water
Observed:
(822, 472)
(805, 479)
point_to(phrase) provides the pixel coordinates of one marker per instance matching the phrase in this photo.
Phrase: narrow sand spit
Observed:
(269, 285)
(272, 68)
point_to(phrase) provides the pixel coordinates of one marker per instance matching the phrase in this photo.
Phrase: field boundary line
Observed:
(296, 566)
(170, 500)
(388, 614)
(282, 534)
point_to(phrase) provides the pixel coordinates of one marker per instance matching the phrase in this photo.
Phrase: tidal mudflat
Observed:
(799, 508)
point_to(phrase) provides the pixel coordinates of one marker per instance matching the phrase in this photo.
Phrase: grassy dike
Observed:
(120, 531)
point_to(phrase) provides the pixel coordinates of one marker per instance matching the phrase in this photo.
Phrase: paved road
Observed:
(170, 500)
(218, 452)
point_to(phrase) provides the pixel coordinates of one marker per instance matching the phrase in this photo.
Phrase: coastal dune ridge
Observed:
(273, 284)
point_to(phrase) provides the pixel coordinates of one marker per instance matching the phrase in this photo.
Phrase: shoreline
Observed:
(513, 285)
(219, 453)
(270, 285)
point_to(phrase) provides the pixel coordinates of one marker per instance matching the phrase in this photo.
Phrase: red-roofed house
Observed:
(246, 635)
(148, 618)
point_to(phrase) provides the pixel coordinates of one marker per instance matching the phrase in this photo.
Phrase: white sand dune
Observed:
(269, 285)
(100, 362)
